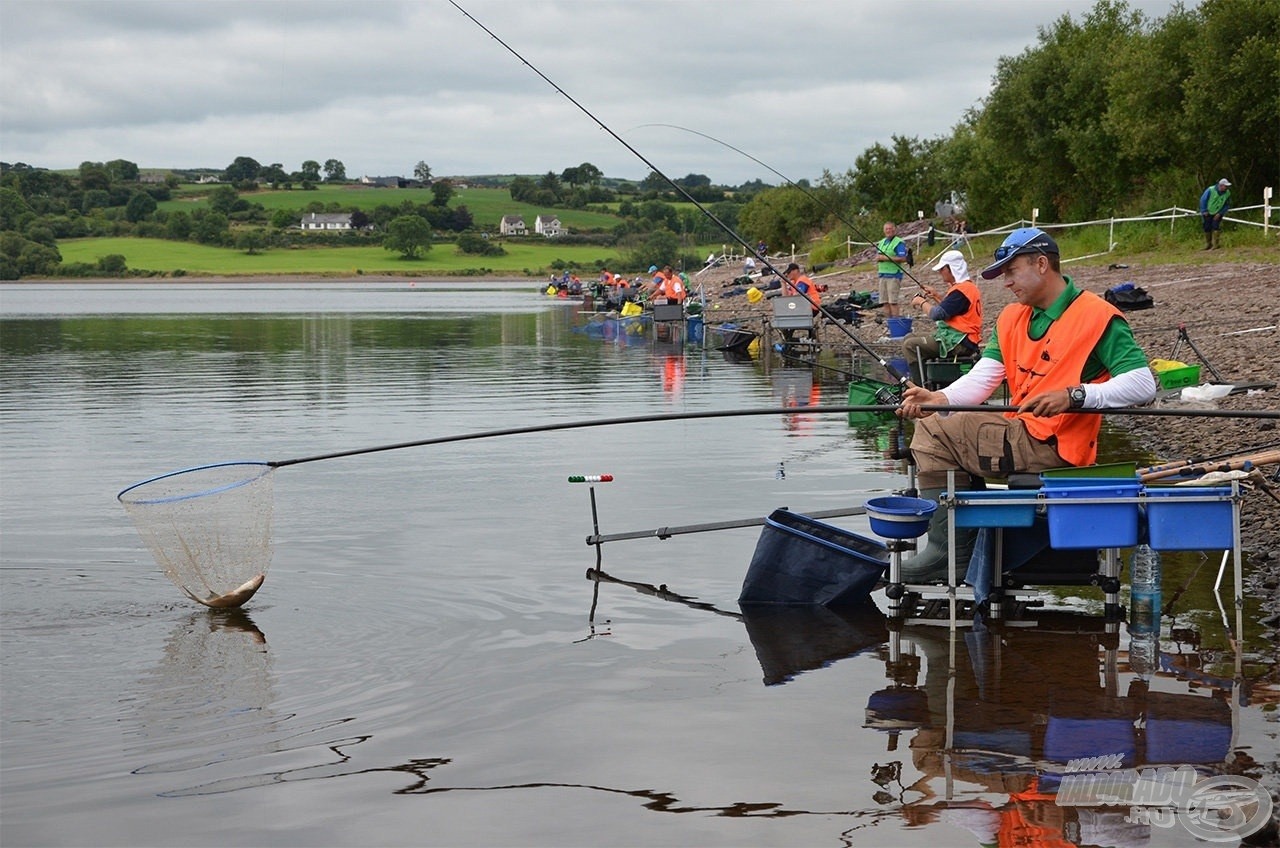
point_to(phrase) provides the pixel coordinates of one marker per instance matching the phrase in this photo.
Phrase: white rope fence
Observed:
(1171, 214)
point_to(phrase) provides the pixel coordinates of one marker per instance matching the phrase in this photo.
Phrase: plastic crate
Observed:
(986, 508)
(1177, 524)
(1092, 526)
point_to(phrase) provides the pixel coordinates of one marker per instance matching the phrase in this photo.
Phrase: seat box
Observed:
(666, 312)
(792, 313)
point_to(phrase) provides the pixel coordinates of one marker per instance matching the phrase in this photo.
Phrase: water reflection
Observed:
(1005, 723)
(212, 690)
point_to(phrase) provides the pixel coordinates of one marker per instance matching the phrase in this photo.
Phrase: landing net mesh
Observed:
(209, 528)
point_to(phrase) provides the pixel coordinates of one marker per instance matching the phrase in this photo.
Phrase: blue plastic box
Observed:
(985, 509)
(1176, 524)
(1090, 526)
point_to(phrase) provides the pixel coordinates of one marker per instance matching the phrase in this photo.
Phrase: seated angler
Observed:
(958, 313)
(1059, 348)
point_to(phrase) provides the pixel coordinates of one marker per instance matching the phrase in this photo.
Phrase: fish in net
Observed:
(208, 527)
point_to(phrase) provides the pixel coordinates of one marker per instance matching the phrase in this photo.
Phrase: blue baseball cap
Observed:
(1025, 240)
(652, 268)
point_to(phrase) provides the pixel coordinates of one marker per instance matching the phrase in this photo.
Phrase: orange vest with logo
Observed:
(1034, 366)
(969, 323)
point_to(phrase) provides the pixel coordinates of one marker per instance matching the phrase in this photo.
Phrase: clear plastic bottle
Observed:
(1144, 610)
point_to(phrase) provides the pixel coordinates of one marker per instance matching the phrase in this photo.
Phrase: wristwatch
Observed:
(1076, 394)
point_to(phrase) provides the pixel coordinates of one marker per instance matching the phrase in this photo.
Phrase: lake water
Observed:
(426, 663)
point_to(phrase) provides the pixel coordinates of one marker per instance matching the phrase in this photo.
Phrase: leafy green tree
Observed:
(477, 245)
(660, 247)
(283, 219)
(409, 235)
(14, 209)
(122, 170)
(550, 183)
(210, 227)
(1232, 106)
(94, 177)
(655, 182)
(311, 171)
(113, 263)
(223, 199)
(140, 207)
(422, 172)
(243, 169)
(334, 171)
(178, 226)
(441, 191)
(251, 241)
(274, 174)
(522, 189)
(98, 198)
(780, 216)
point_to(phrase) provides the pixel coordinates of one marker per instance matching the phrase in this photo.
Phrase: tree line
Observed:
(1110, 114)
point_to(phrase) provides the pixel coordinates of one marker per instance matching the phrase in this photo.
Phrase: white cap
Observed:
(954, 259)
(1224, 181)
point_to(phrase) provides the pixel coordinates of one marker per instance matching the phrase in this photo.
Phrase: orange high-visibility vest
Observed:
(804, 286)
(970, 322)
(1033, 366)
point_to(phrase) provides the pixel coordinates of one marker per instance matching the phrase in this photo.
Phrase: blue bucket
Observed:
(898, 327)
(897, 517)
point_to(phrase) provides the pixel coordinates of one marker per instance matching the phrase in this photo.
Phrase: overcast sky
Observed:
(802, 85)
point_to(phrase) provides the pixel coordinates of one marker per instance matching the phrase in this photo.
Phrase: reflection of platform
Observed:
(1043, 700)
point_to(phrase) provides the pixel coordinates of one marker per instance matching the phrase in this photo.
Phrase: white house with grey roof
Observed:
(328, 221)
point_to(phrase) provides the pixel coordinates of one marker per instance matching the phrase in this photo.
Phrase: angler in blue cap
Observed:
(1058, 348)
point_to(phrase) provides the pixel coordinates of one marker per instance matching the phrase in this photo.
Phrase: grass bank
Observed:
(170, 257)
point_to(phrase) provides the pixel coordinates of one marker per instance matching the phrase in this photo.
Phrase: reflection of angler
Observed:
(1013, 710)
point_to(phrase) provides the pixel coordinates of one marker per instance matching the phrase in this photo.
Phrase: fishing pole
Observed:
(901, 379)
(828, 208)
(773, 410)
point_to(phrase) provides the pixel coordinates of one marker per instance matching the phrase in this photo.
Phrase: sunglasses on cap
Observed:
(1004, 251)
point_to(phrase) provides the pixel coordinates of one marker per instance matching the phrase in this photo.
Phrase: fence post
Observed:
(1266, 210)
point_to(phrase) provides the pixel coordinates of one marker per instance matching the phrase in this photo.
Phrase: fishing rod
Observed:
(773, 410)
(828, 208)
(901, 379)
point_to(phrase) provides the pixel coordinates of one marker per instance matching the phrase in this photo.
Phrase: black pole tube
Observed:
(739, 413)
(901, 379)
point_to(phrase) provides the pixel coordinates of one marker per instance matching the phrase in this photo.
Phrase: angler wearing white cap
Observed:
(958, 313)
(1058, 348)
(1214, 203)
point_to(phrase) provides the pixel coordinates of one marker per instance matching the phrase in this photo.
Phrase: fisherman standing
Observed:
(1214, 203)
(891, 255)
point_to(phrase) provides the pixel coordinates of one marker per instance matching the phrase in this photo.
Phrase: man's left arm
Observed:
(1131, 382)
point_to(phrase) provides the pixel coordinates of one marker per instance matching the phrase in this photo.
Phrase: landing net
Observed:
(209, 528)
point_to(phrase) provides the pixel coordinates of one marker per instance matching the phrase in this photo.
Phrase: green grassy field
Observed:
(487, 205)
(195, 259)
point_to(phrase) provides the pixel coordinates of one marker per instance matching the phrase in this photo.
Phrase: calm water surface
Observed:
(423, 665)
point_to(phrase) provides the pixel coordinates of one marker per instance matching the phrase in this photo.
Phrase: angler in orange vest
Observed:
(958, 313)
(1059, 348)
(798, 284)
(667, 284)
